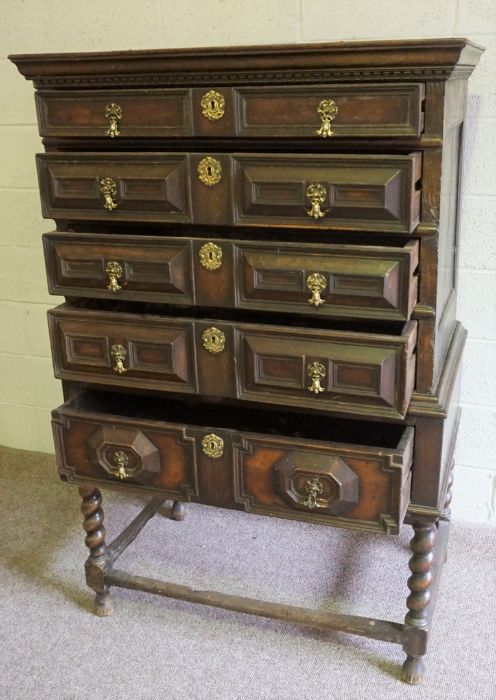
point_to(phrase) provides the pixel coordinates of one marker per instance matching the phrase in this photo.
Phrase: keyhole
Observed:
(213, 104)
(210, 255)
(209, 170)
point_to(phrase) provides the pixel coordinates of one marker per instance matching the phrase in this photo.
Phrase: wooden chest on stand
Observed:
(257, 250)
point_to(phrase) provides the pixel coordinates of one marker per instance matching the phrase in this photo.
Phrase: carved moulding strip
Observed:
(250, 78)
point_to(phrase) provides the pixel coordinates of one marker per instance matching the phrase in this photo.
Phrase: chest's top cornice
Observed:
(422, 59)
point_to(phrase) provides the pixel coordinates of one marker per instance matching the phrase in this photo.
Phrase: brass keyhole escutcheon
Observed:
(108, 188)
(114, 273)
(213, 445)
(316, 193)
(316, 372)
(113, 112)
(210, 256)
(120, 462)
(212, 104)
(119, 354)
(313, 489)
(327, 110)
(213, 340)
(316, 283)
(209, 171)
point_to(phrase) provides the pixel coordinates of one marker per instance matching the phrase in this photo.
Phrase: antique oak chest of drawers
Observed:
(257, 250)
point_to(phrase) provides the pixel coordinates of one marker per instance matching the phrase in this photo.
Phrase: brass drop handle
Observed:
(313, 489)
(108, 188)
(120, 462)
(316, 372)
(316, 283)
(316, 193)
(119, 355)
(114, 273)
(113, 112)
(327, 110)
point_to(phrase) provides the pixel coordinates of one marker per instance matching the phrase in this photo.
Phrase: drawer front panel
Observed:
(333, 280)
(350, 485)
(338, 192)
(351, 192)
(132, 267)
(95, 448)
(337, 371)
(356, 111)
(124, 350)
(115, 114)
(349, 281)
(120, 187)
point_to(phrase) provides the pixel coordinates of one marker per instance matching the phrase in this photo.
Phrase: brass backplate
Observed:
(210, 256)
(213, 445)
(212, 104)
(213, 340)
(209, 171)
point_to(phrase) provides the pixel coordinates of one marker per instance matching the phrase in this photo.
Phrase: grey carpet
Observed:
(52, 646)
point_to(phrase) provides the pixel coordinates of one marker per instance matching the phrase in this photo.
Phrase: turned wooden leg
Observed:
(419, 583)
(179, 510)
(95, 541)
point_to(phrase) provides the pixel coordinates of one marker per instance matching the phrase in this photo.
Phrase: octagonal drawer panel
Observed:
(342, 474)
(115, 187)
(340, 371)
(315, 280)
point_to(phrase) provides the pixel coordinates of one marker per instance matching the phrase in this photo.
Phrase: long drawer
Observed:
(340, 371)
(367, 192)
(329, 472)
(334, 280)
(314, 112)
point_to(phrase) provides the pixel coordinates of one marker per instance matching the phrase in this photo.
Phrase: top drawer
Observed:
(314, 112)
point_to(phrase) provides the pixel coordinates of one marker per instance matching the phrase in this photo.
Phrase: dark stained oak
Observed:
(360, 192)
(363, 483)
(370, 374)
(257, 250)
(366, 111)
(359, 281)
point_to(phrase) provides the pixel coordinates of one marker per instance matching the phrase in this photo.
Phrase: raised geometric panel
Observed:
(124, 453)
(150, 113)
(360, 192)
(148, 188)
(317, 483)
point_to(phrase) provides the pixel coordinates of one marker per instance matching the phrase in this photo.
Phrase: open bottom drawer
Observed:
(327, 471)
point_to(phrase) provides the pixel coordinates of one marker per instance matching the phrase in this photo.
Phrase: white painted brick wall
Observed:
(27, 387)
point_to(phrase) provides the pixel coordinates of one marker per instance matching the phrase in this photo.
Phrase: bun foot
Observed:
(179, 510)
(104, 604)
(412, 671)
